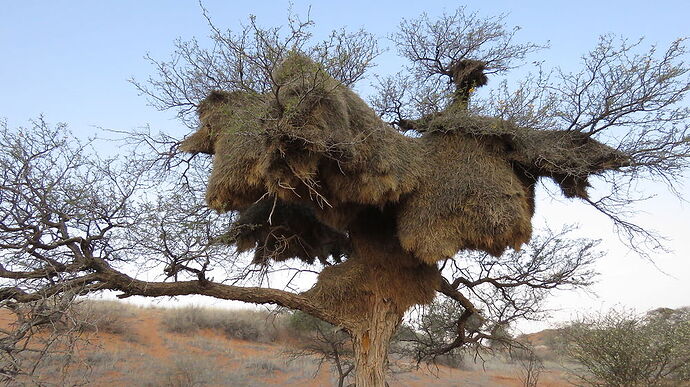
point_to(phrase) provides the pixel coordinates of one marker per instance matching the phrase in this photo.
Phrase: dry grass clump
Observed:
(179, 370)
(230, 132)
(187, 370)
(184, 370)
(263, 366)
(239, 324)
(211, 345)
(69, 368)
(102, 316)
(351, 283)
(567, 157)
(331, 144)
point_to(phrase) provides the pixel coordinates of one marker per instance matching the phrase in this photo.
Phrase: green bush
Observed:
(622, 348)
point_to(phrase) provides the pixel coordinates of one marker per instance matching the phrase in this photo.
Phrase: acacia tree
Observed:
(307, 176)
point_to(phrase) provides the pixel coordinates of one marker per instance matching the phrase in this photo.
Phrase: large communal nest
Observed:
(300, 165)
(377, 266)
(279, 230)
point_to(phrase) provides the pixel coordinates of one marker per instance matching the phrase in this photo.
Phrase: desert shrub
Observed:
(452, 360)
(303, 326)
(62, 352)
(322, 340)
(622, 348)
(239, 324)
(210, 345)
(530, 366)
(303, 367)
(188, 371)
(102, 316)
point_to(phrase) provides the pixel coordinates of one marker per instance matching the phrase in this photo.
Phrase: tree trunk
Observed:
(372, 342)
(373, 289)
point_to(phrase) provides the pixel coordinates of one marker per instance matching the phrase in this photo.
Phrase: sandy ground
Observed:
(148, 355)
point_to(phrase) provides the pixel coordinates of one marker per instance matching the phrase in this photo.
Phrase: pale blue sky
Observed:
(70, 60)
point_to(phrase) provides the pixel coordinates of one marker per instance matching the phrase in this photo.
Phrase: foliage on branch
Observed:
(623, 348)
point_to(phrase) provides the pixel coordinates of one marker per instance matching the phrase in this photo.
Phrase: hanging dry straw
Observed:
(277, 230)
(377, 266)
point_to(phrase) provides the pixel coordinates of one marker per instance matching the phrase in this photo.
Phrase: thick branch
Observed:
(448, 290)
(255, 295)
(109, 278)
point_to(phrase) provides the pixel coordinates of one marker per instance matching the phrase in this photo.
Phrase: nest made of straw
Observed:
(317, 155)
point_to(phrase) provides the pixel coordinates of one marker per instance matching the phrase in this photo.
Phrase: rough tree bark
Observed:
(383, 281)
(371, 343)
